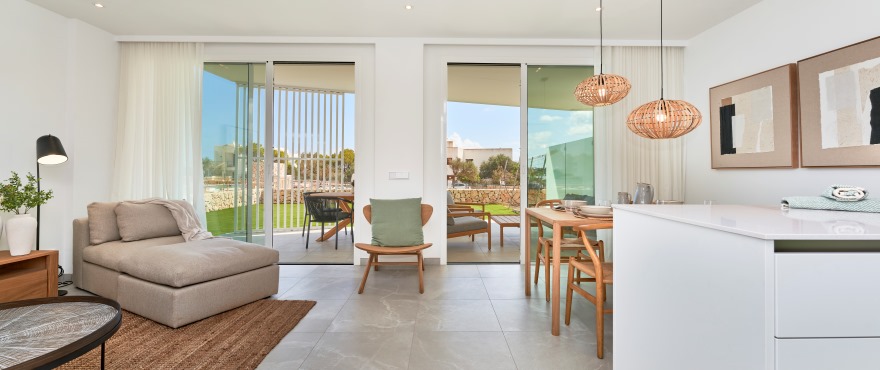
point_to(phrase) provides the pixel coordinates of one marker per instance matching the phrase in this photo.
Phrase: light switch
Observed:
(398, 175)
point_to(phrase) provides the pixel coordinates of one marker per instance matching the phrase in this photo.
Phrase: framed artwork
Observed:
(754, 120)
(840, 106)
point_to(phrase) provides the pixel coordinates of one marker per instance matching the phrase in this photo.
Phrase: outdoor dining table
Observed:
(342, 205)
(558, 219)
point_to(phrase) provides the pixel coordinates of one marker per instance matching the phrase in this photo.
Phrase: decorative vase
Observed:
(21, 232)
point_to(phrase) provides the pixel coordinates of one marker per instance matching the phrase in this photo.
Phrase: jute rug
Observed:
(236, 339)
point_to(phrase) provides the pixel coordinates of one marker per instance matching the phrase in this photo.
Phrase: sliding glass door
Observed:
(560, 135)
(233, 148)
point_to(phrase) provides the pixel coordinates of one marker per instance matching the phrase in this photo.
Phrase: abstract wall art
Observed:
(840, 106)
(754, 120)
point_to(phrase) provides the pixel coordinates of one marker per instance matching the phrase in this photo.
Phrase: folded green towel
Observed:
(865, 205)
(845, 193)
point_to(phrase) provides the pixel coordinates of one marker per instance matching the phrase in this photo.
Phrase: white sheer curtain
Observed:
(623, 158)
(158, 142)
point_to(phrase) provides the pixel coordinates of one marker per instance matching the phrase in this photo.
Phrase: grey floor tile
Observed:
(361, 351)
(509, 271)
(319, 317)
(291, 352)
(375, 316)
(568, 351)
(507, 288)
(284, 284)
(460, 350)
(456, 315)
(386, 284)
(534, 315)
(452, 271)
(455, 288)
(336, 271)
(289, 271)
(322, 288)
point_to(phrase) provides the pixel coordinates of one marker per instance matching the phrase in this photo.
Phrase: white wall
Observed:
(59, 78)
(767, 35)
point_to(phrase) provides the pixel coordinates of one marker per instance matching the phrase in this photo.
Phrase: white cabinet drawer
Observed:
(826, 295)
(828, 354)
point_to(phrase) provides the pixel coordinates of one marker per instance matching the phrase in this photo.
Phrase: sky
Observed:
(495, 126)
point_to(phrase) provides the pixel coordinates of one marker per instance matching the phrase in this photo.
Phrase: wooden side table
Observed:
(33, 275)
(505, 221)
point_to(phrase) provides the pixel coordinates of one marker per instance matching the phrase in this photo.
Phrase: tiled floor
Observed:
(291, 245)
(470, 317)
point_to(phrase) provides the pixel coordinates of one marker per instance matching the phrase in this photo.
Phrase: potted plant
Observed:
(19, 198)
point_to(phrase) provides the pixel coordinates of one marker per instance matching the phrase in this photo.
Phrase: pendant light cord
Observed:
(661, 49)
(601, 57)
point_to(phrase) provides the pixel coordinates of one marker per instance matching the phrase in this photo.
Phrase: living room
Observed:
(65, 70)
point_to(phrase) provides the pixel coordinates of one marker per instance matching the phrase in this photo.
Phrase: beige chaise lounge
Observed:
(135, 254)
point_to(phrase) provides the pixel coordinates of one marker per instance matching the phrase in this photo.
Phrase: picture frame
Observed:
(754, 121)
(840, 107)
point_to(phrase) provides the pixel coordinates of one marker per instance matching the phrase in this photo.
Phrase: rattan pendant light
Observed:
(663, 119)
(602, 89)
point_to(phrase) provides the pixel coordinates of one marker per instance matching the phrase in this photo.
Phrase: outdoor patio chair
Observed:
(323, 210)
(460, 222)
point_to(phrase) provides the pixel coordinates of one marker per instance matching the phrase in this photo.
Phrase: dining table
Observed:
(343, 205)
(559, 220)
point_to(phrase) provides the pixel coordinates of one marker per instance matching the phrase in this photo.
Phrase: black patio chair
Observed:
(324, 210)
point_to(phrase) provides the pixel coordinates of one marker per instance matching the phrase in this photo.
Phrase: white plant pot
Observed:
(21, 232)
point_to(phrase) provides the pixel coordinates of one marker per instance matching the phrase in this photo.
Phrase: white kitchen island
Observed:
(743, 287)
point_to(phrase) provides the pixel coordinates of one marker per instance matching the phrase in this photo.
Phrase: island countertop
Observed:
(771, 223)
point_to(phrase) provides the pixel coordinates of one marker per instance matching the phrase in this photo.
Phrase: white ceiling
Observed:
(543, 19)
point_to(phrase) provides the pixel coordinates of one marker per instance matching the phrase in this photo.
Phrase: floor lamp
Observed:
(49, 152)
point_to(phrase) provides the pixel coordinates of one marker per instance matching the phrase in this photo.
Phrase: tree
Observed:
(348, 164)
(465, 171)
(212, 168)
(500, 168)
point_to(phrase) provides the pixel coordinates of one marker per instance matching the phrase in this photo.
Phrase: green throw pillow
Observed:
(397, 222)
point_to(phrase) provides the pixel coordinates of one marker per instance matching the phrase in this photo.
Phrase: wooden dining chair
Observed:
(545, 247)
(594, 266)
(375, 251)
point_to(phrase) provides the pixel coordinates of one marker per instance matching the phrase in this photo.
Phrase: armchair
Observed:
(460, 222)
(454, 206)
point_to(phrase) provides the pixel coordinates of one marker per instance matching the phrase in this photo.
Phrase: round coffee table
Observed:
(47, 332)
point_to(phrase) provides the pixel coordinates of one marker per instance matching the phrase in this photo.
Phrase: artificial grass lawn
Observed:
(222, 221)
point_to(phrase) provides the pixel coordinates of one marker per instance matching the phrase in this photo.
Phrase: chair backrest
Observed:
(549, 203)
(546, 203)
(427, 210)
(321, 209)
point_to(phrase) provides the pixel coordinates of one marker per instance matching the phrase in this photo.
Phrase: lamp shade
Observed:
(602, 89)
(50, 150)
(664, 119)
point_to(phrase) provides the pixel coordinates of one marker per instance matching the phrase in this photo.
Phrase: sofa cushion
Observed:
(467, 223)
(110, 254)
(102, 222)
(184, 264)
(144, 221)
